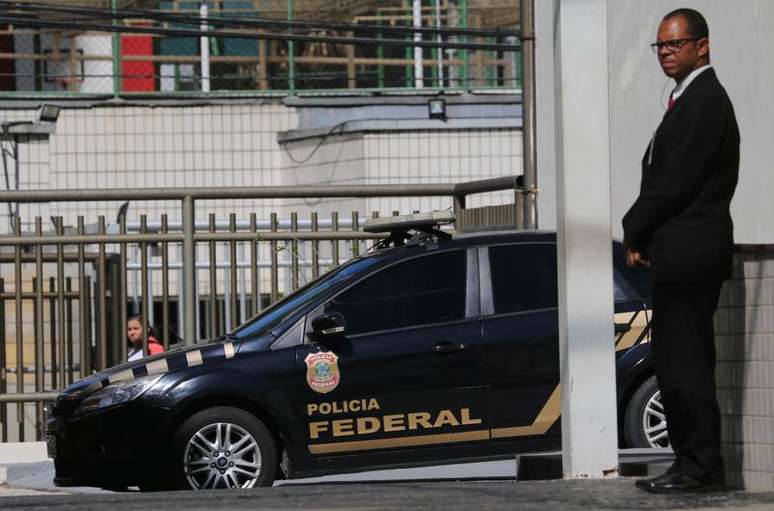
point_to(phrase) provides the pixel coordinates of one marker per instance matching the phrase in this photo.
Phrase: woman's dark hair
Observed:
(697, 25)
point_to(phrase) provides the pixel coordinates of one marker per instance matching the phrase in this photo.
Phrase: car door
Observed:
(404, 383)
(521, 353)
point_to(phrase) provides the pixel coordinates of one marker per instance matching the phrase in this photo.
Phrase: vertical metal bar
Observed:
(374, 214)
(335, 243)
(199, 317)
(438, 52)
(355, 227)
(315, 247)
(226, 291)
(262, 67)
(254, 280)
(529, 149)
(102, 340)
(351, 71)
(242, 286)
(88, 321)
(52, 330)
(116, 53)
(465, 54)
(69, 330)
(82, 303)
(213, 282)
(60, 300)
(232, 264)
(123, 285)
(38, 365)
(3, 372)
(274, 263)
(144, 285)
(135, 280)
(459, 207)
(19, 328)
(380, 67)
(518, 204)
(40, 356)
(294, 252)
(291, 54)
(189, 271)
(164, 284)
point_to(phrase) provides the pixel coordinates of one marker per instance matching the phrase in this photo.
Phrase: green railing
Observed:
(76, 51)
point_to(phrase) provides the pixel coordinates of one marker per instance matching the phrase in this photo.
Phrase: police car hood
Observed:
(173, 360)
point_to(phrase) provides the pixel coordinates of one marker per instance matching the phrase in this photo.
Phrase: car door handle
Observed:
(447, 348)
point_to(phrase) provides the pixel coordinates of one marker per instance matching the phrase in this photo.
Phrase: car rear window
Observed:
(523, 277)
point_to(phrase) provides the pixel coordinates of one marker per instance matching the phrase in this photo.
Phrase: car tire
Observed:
(223, 447)
(645, 424)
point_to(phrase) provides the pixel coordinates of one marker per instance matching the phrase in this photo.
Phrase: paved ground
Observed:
(446, 487)
(445, 495)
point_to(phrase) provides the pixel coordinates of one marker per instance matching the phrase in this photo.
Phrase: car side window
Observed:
(423, 290)
(523, 277)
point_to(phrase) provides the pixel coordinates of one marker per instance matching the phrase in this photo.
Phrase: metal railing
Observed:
(186, 47)
(96, 276)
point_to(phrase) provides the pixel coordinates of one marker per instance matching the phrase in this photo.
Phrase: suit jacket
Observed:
(681, 220)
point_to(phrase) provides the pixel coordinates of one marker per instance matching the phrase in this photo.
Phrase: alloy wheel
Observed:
(654, 422)
(222, 455)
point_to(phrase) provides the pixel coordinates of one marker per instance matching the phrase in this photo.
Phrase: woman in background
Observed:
(134, 331)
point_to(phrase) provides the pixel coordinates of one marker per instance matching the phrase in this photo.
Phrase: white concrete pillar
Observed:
(589, 425)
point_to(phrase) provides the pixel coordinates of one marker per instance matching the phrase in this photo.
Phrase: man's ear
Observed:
(703, 46)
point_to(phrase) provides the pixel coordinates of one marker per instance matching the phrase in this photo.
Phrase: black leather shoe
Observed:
(677, 482)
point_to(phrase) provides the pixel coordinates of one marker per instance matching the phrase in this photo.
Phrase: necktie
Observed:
(671, 103)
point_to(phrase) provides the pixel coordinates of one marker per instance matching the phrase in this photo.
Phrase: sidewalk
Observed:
(577, 495)
(486, 486)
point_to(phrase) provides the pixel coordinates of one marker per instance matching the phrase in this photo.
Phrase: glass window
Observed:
(423, 290)
(289, 305)
(523, 277)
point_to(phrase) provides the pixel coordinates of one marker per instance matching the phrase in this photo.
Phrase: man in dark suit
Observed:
(680, 226)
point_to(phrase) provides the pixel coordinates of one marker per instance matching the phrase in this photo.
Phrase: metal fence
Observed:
(65, 296)
(113, 47)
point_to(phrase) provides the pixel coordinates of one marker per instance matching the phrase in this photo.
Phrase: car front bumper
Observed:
(118, 446)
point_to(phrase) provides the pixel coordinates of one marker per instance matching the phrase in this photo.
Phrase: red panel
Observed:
(137, 75)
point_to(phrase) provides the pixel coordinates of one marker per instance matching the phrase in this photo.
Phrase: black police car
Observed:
(427, 351)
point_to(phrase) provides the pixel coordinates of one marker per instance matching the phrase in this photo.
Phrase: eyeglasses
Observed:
(673, 45)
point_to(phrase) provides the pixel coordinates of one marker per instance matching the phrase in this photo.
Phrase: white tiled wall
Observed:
(745, 371)
(154, 147)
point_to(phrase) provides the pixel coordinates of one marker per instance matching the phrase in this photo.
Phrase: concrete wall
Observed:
(741, 41)
(741, 45)
(745, 371)
(410, 156)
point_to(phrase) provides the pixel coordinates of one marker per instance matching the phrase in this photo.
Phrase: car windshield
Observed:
(275, 314)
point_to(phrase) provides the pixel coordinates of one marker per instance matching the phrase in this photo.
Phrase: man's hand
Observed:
(634, 258)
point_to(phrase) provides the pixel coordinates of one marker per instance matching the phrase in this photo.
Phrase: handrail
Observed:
(262, 192)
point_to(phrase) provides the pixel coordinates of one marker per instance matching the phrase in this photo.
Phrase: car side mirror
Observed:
(328, 326)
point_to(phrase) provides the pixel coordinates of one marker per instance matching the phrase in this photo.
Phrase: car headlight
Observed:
(117, 393)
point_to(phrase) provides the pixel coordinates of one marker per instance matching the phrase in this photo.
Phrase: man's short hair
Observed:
(697, 25)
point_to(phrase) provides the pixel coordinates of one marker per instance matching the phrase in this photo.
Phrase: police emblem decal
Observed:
(322, 371)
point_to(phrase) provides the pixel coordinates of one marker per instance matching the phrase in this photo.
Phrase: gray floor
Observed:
(39, 476)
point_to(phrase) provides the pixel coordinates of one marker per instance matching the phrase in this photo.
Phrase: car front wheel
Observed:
(645, 424)
(224, 447)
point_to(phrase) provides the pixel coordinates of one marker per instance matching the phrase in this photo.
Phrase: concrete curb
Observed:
(13, 453)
